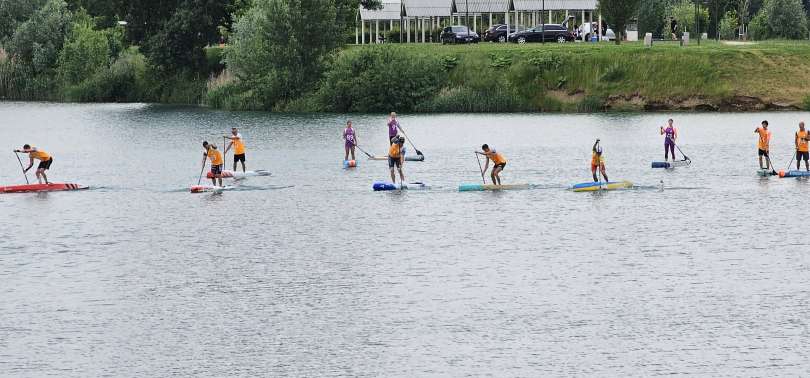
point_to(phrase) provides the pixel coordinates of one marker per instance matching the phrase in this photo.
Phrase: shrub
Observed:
(729, 26)
(85, 52)
(380, 78)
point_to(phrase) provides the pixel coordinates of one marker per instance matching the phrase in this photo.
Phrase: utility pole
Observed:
(467, 15)
(697, 21)
(543, 22)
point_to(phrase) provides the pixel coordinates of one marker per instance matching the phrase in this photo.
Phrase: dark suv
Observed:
(497, 33)
(459, 34)
(543, 33)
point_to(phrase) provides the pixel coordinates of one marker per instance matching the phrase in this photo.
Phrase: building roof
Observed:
(428, 8)
(391, 10)
(535, 5)
(481, 6)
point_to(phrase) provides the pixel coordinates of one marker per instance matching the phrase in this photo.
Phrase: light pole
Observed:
(467, 15)
(543, 22)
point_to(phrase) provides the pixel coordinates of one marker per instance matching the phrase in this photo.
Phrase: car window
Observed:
(459, 29)
(447, 30)
(501, 28)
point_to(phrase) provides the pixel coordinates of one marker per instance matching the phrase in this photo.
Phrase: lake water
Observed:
(311, 273)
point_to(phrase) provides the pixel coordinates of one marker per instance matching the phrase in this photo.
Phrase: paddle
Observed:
(773, 171)
(363, 151)
(679, 150)
(21, 167)
(199, 181)
(481, 169)
(791, 162)
(409, 141)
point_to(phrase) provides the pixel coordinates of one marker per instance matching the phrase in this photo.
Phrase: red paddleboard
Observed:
(52, 187)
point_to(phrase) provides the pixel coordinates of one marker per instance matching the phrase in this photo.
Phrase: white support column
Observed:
(490, 20)
(363, 31)
(356, 34)
(377, 31)
(408, 30)
(423, 30)
(475, 23)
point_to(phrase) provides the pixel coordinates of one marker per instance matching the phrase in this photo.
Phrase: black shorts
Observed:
(216, 169)
(45, 164)
(394, 162)
(501, 166)
(238, 158)
(763, 153)
(802, 155)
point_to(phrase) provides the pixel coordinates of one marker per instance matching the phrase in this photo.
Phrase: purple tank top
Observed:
(670, 133)
(393, 125)
(349, 135)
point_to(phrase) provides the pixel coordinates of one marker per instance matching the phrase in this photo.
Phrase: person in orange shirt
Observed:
(45, 161)
(238, 148)
(598, 162)
(217, 162)
(498, 161)
(764, 145)
(801, 139)
(396, 157)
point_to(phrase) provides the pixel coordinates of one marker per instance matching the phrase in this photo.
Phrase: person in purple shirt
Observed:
(393, 128)
(350, 138)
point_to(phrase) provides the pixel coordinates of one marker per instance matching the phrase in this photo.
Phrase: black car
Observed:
(459, 34)
(551, 33)
(498, 32)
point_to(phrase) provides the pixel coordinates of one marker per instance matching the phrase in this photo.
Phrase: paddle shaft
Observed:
(480, 168)
(199, 181)
(410, 141)
(768, 158)
(679, 149)
(21, 167)
(363, 151)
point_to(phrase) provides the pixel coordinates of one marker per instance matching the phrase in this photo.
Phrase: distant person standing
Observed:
(238, 148)
(393, 127)
(802, 148)
(670, 134)
(217, 162)
(350, 140)
(598, 162)
(396, 158)
(763, 145)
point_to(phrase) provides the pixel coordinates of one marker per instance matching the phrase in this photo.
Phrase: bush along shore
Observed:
(555, 78)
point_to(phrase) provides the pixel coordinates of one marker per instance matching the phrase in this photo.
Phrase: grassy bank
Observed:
(562, 78)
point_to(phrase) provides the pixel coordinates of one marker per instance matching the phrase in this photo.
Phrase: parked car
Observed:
(541, 33)
(459, 34)
(498, 32)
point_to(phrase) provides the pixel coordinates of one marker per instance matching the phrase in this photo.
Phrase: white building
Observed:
(418, 18)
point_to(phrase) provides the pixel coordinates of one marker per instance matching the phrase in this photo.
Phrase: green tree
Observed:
(173, 33)
(85, 52)
(15, 12)
(278, 47)
(38, 40)
(684, 12)
(618, 13)
(729, 26)
(651, 16)
(785, 19)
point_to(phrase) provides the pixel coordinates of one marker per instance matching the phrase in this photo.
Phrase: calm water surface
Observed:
(310, 273)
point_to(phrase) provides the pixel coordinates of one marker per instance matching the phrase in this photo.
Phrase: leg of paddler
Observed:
(604, 173)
